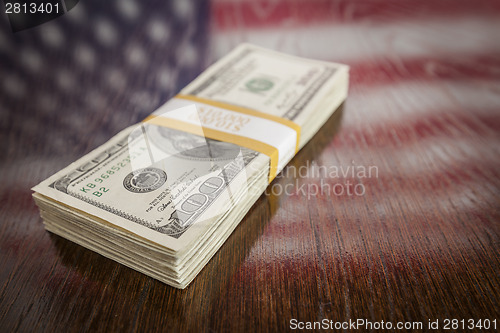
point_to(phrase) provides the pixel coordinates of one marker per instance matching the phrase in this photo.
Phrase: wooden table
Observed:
(420, 243)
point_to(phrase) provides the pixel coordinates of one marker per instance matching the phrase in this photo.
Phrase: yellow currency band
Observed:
(239, 140)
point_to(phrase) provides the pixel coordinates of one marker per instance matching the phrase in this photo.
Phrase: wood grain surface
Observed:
(421, 242)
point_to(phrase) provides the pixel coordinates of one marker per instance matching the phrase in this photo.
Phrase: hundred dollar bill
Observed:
(175, 196)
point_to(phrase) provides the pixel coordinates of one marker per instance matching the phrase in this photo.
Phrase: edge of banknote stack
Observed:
(163, 196)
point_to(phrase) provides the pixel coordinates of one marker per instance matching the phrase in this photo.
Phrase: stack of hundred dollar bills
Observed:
(163, 195)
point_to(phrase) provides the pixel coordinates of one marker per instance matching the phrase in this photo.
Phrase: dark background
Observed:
(423, 107)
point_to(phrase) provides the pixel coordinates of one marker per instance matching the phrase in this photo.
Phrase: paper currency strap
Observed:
(273, 136)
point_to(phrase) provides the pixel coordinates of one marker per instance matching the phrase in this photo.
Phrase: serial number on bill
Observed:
(32, 8)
